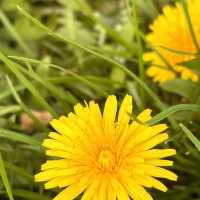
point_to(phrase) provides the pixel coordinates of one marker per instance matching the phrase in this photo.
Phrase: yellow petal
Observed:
(148, 144)
(53, 144)
(144, 116)
(53, 173)
(51, 164)
(125, 112)
(136, 191)
(73, 191)
(90, 191)
(159, 162)
(109, 114)
(158, 172)
(157, 153)
(120, 190)
(62, 128)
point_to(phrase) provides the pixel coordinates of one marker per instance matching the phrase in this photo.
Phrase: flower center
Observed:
(106, 160)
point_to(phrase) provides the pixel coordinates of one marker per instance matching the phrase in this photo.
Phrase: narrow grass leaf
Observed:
(5, 178)
(190, 135)
(28, 195)
(19, 171)
(11, 30)
(76, 76)
(37, 122)
(4, 110)
(27, 83)
(173, 109)
(19, 137)
(99, 55)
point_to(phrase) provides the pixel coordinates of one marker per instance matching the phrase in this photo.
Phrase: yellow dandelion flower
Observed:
(104, 158)
(170, 30)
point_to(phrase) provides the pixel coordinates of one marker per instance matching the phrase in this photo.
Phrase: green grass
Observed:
(54, 54)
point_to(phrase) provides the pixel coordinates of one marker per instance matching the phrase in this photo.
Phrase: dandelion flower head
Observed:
(170, 30)
(106, 156)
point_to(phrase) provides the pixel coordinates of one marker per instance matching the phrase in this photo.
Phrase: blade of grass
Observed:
(113, 62)
(19, 137)
(37, 122)
(27, 83)
(58, 94)
(76, 76)
(7, 92)
(5, 178)
(189, 22)
(140, 52)
(19, 171)
(28, 195)
(190, 135)
(173, 109)
(86, 9)
(11, 30)
(109, 60)
(4, 110)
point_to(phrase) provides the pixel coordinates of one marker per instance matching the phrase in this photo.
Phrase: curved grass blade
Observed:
(28, 195)
(27, 83)
(19, 137)
(19, 171)
(140, 51)
(14, 34)
(58, 94)
(5, 178)
(190, 135)
(25, 108)
(4, 110)
(76, 76)
(7, 92)
(99, 55)
(169, 111)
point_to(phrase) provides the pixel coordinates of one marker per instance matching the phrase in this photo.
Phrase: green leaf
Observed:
(4, 110)
(28, 195)
(190, 135)
(27, 83)
(5, 178)
(19, 137)
(173, 109)
(184, 88)
(97, 54)
(37, 122)
(13, 33)
(19, 171)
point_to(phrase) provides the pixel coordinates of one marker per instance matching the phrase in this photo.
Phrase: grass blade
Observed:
(4, 110)
(169, 111)
(190, 135)
(109, 60)
(27, 83)
(19, 137)
(25, 108)
(5, 178)
(19, 171)
(25, 194)
(140, 52)
(13, 33)
(76, 76)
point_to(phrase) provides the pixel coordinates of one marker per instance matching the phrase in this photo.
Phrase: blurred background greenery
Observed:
(32, 90)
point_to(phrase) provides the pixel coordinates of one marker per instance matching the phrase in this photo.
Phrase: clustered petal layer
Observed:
(106, 156)
(170, 30)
